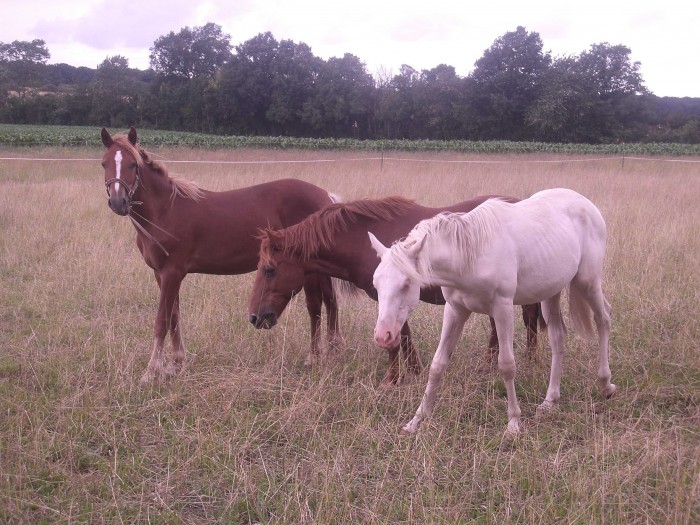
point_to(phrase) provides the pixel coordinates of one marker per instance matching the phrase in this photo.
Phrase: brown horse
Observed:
(181, 229)
(334, 241)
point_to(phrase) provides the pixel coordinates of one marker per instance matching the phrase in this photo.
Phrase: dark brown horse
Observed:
(334, 241)
(183, 229)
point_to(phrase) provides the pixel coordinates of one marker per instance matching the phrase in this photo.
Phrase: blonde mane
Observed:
(466, 233)
(180, 187)
(318, 231)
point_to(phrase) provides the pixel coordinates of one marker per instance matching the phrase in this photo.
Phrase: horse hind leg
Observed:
(603, 323)
(493, 340)
(592, 294)
(330, 301)
(601, 316)
(551, 310)
(532, 316)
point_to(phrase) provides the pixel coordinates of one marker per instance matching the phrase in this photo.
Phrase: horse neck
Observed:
(351, 257)
(155, 194)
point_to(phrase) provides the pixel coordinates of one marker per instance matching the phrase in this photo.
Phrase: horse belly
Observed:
(540, 282)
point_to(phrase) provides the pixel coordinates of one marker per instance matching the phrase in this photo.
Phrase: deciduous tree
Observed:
(192, 52)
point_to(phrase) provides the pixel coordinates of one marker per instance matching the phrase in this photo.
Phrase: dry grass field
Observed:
(246, 434)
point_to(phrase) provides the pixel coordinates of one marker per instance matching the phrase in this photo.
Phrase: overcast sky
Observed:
(663, 36)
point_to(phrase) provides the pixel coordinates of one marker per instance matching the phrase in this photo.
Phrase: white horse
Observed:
(486, 261)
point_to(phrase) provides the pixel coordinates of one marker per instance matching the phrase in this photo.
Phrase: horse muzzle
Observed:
(265, 320)
(119, 205)
(386, 338)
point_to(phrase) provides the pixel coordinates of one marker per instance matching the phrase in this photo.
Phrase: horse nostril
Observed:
(253, 318)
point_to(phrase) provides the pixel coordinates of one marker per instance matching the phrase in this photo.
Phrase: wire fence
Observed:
(382, 158)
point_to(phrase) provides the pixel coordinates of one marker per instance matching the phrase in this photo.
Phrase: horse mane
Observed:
(319, 229)
(467, 233)
(180, 187)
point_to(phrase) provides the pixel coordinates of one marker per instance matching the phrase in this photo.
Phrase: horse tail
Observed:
(581, 314)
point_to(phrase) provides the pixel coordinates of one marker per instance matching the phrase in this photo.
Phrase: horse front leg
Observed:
(178, 347)
(414, 365)
(503, 316)
(314, 299)
(452, 323)
(169, 284)
(391, 376)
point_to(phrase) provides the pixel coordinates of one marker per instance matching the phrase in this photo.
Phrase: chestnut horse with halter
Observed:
(181, 229)
(334, 241)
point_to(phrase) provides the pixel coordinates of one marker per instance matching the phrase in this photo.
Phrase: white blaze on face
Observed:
(118, 162)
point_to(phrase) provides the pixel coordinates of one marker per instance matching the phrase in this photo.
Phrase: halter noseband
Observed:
(130, 190)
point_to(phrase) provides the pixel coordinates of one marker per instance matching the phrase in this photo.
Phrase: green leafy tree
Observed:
(22, 65)
(396, 109)
(192, 52)
(113, 93)
(440, 97)
(597, 96)
(294, 73)
(244, 86)
(505, 81)
(340, 106)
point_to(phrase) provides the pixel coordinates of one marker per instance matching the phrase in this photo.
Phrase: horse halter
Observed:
(130, 190)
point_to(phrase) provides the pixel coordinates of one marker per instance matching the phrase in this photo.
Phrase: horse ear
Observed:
(414, 249)
(273, 237)
(106, 138)
(132, 136)
(379, 248)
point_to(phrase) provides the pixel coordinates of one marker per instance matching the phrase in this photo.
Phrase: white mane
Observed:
(466, 233)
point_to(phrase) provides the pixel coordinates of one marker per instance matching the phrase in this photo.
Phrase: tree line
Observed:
(198, 81)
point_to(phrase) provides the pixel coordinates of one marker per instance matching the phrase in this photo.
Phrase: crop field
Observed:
(247, 434)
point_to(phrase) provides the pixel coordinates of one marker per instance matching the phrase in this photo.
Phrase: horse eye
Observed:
(270, 271)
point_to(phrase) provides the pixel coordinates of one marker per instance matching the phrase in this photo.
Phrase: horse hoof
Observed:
(609, 391)
(512, 430)
(547, 407)
(147, 377)
(337, 345)
(170, 371)
(410, 428)
(408, 378)
(312, 360)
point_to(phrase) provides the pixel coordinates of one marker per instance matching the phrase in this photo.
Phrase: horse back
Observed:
(219, 233)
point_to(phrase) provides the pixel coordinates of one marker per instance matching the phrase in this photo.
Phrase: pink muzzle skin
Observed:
(386, 338)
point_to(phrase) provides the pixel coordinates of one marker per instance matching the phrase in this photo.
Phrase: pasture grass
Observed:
(247, 434)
